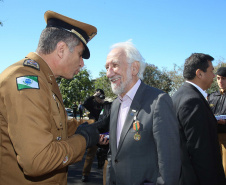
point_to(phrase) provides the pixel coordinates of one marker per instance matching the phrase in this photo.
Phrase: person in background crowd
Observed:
(200, 152)
(217, 102)
(103, 144)
(103, 148)
(80, 109)
(37, 143)
(143, 126)
(94, 104)
(74, 108)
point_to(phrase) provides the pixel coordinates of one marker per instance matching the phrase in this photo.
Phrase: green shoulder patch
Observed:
(31, 63)
(27, 82)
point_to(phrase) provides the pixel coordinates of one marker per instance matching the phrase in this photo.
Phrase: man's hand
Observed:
(90, 133)
(103, 140)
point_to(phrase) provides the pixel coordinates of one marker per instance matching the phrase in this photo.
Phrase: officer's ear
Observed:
(60, 49)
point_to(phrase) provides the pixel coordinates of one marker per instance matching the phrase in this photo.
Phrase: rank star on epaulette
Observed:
(31, 63)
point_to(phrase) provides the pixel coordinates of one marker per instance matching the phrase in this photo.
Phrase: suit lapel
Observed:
(133, 111)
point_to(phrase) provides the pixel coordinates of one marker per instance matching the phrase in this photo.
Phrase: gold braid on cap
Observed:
(79, 35)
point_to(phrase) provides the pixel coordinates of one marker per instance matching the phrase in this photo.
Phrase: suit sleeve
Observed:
(166, 135)
(199, 139)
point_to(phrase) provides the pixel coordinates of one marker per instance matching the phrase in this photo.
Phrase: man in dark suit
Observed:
(200, 152)
(144, 133)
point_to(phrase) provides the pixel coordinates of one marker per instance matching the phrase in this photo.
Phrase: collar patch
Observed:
(31, 63)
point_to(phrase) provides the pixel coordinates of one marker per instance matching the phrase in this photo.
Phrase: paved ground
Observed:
(75, 174)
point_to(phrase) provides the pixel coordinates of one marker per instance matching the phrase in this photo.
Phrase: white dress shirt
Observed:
(124, 108)
(199, 88)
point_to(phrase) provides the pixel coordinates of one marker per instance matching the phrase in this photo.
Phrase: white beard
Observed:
(121, 87)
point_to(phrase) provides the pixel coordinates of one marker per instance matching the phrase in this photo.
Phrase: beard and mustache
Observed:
(119, 89)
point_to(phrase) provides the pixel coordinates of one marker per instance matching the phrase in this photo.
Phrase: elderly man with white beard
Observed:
(143, 129)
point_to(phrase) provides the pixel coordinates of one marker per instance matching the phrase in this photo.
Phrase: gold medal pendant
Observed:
(137, 136)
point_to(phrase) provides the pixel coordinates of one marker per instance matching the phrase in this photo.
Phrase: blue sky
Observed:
(166, 32)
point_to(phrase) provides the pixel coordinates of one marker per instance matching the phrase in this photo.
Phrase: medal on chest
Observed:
(136, 127)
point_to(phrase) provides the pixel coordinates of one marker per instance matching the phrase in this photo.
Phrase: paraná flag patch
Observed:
(27, 82)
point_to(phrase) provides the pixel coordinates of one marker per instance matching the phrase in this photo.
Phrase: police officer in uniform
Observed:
(217, 102)
(37, 143)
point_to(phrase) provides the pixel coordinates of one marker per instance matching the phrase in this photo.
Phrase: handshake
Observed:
(89, 132)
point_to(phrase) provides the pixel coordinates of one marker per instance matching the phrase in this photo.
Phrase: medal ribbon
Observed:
(136, 124)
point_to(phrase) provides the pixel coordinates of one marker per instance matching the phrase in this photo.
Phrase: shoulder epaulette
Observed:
(31, 63)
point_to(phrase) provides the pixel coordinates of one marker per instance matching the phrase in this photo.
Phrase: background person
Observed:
(80, 110)
(217, 102)
(94, 104)
(74, 108)
(103, 144)
(37, 143)
(200, 152)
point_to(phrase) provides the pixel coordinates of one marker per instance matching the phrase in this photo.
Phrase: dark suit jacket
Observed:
(155, 158)
(200, 152)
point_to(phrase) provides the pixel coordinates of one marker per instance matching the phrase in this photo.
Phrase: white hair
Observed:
(132, 55)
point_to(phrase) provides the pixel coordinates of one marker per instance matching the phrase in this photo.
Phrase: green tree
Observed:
(76, 89)
(104, 83)
(157, 78)
(176, 76)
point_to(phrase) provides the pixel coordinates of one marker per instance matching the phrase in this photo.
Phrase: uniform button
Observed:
(116, 161)
(60, 124)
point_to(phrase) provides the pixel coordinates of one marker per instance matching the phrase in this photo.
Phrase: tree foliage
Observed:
(76, 89)
(104, 83)
(157, 78)
(176, 76)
